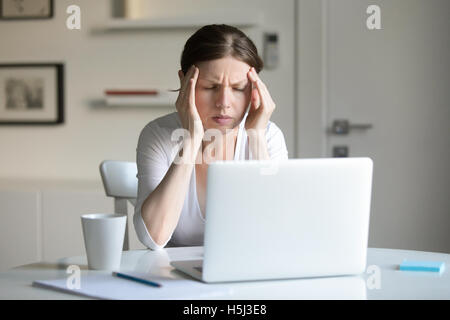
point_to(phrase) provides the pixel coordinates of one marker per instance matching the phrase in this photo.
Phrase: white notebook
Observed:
(107, 286)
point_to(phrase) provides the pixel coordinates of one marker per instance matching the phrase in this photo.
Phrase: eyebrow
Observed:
(233, 84)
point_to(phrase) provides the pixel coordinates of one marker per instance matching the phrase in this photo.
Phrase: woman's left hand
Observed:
(261, 105)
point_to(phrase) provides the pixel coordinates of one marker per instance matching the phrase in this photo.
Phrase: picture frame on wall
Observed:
(26, 9)
(32, 94)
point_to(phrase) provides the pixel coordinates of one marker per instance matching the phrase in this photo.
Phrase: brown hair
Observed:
(216, 41)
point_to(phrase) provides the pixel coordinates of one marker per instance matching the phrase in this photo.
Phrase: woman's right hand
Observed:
(186, 107)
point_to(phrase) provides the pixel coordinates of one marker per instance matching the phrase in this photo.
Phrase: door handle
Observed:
(343, 126)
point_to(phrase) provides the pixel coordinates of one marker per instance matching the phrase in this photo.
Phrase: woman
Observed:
(219, 83)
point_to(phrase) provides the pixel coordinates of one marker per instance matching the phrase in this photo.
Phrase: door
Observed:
(391, 89)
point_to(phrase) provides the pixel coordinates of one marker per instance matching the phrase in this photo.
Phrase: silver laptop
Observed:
(294, 218)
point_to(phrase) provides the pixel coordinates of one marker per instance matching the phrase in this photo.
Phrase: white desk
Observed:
(394, 284)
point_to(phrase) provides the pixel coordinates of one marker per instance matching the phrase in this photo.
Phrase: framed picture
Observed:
(26, 9)
(31, 94)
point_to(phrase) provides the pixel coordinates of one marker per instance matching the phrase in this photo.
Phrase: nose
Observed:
(224, 98)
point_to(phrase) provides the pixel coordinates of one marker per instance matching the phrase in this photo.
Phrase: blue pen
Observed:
(143, 281)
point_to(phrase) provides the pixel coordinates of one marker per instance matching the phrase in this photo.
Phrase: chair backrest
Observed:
(120, 181)
(119, 178)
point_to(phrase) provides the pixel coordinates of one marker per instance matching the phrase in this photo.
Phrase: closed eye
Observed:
(215, 87)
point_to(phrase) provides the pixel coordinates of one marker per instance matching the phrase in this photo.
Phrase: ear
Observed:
(180, 75)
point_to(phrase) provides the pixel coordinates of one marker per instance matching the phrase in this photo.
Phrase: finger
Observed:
(257, 78)
(254, 96)
(185, 80)
(256, 101)
(192, 84)
(262, 89)
(185, 77)
(260, 85)
(257, 84)
(180, 77)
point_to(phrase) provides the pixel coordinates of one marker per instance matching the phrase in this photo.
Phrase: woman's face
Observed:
(223, 89)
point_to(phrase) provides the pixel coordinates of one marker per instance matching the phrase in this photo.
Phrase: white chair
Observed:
(120, 182)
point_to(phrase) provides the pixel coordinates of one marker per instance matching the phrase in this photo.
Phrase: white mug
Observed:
(103, 238)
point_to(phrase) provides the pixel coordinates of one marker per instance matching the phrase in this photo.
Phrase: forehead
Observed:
(216, 70)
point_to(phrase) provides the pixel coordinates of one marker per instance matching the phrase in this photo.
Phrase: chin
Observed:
(222, 128)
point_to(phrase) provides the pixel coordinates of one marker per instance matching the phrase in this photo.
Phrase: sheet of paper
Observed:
(106, 286)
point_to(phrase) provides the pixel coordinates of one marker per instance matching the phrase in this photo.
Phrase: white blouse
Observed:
(155, 154)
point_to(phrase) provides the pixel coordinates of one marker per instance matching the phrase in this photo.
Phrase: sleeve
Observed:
(152, 164)
(276, 144)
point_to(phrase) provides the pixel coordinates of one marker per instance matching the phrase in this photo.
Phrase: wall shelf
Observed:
(237, 19)
(136, 101)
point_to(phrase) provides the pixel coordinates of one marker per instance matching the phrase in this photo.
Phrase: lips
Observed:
(222, 119)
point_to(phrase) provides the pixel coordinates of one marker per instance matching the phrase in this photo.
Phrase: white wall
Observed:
(42, 222)
(95, 61)
(397, 79)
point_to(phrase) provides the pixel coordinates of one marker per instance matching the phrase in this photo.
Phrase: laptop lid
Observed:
(286, 219)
